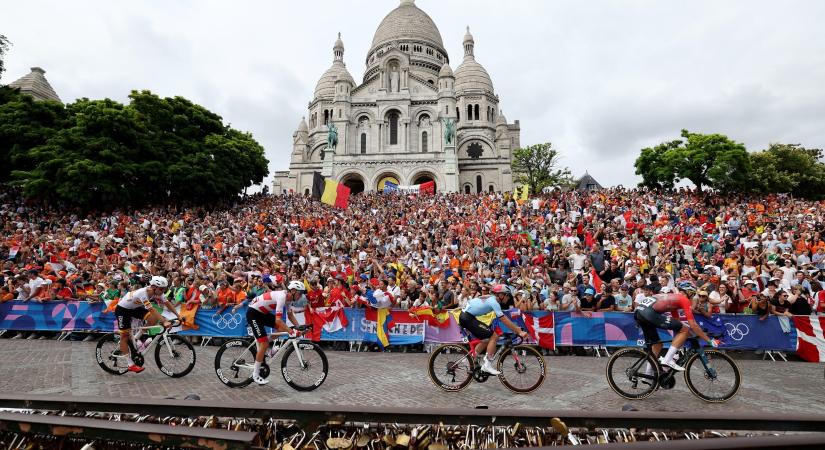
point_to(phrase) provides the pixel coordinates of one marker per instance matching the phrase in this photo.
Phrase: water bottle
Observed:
(143, 345)
(155, 330)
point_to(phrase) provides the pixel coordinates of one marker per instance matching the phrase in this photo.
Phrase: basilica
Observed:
(391, 125)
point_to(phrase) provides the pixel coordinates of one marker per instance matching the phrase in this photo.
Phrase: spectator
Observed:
(624, 302)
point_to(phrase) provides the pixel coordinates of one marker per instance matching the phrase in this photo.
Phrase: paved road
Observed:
(398, 379)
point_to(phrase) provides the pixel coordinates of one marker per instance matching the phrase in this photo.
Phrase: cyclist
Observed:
(267, 310)
(468, 319)
(137, 305)
(650, 316)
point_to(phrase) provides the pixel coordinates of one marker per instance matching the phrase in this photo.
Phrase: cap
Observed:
(202, 287)
(702, 292)
(750, 282)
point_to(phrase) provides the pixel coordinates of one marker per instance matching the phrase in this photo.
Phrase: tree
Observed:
(4, 47)
(711, 160)
(24, 124)
(152, 151)
(535, 166)
(789, 168)
(655, 165)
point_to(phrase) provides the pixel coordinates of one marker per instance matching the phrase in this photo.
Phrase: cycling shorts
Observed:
(477, 328)
(256, 321)
(124, 316)
(650, 321)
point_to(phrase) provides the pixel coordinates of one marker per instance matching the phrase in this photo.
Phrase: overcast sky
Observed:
(598, 79)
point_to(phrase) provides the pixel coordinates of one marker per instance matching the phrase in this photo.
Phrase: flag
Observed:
(427, 188)
(516, 194)
(329, 191)
(329, 319)
(187, 315)
(541, 330)
(427, 315)
(524, 191)
(810, 341)
(595, 280)
(390, 187)
(383, 325)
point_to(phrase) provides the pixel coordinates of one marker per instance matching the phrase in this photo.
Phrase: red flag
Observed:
(541, 330)
(810, 340)
(330, 319)
(595, 280)
(427, 188)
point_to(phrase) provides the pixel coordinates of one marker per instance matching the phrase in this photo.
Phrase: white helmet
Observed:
(159, 282)
(297, 285)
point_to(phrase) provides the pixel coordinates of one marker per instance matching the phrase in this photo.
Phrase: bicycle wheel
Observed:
(235, 362)
(309, 371)
(523, 369)
(451, 367)
(715, 383)
(632, 373)
(106, 357)
(176, 361)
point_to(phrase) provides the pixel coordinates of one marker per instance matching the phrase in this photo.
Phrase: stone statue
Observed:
(449, 131)
(332, 136)
(394, 81)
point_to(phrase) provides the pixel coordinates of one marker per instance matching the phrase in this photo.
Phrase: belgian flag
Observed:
(329, 191)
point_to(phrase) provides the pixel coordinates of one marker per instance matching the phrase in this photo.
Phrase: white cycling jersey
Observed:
(270, 302)
(135, 299)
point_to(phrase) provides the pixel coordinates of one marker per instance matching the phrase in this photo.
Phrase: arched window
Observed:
(469, 112)
(393, 128)
(446, 109)
(363, 143)
(457, 114)
(424, 142)
(492, 189)
(466, 188)
(476, 112)
(306, 191)
(326, 117)
(478, 184)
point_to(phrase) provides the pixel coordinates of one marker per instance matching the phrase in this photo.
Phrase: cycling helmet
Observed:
(297, 285)
(686, 286)
(159, 282)
(500, 289)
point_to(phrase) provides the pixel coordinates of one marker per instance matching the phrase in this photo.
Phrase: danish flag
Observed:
(810, 340)
(541, 329)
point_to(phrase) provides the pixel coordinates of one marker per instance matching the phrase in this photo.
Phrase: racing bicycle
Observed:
(304, 364)
(709, 374)
(453, 366)
(174, 355)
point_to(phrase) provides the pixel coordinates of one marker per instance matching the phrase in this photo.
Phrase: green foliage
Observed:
(789, 168)
(152, 151)
(711, 160)
(24, 124)
(4, 47)
(535, 166)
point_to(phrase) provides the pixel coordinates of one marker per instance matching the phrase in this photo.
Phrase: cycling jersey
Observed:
(479, 307)
(271, 302)
(662, 303)
(135, 299)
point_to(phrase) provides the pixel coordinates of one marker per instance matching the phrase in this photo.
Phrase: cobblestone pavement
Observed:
(398, 379)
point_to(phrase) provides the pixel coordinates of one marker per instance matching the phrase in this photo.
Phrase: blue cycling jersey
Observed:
(480, 307)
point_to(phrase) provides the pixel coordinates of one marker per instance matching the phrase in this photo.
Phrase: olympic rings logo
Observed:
(227, 320)
(738, 331)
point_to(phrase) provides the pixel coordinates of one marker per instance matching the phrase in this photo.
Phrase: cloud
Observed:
(600, 80)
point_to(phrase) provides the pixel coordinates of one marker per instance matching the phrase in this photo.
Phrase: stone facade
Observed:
(390, 126)
(36, 85)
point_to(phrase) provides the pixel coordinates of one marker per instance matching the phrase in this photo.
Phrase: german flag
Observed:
(329, 191)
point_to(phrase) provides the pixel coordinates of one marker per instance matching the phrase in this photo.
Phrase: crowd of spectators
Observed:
(563, 251)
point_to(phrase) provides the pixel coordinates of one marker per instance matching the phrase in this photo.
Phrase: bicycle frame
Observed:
(294, 341)
(133, 337)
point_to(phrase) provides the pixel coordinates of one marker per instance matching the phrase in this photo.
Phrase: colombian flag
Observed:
(329, 191)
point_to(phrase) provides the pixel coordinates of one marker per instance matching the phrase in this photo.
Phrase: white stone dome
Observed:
(407, 22)
(326, 85)
(446, 71)
(471, 76)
